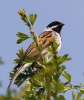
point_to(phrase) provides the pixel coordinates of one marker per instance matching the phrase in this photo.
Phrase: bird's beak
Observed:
(62, 24)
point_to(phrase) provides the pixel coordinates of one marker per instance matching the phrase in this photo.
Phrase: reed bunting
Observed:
(53, 30)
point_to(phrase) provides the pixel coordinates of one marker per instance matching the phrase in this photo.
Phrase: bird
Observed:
(52, 31)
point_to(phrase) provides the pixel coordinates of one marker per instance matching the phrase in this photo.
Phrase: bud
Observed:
(28, 85)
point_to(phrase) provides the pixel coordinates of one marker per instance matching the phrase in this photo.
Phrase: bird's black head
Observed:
(56, 26)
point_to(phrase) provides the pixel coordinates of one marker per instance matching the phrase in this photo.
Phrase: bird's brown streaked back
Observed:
(31, 52)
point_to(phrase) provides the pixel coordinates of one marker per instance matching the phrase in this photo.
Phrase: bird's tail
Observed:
(20, 69)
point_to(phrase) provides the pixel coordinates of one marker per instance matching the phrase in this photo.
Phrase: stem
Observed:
(48, 88)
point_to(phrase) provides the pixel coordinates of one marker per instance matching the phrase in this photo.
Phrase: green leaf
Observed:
(79, 95)
(11, 74)
(58, 86)
(29, 59)
(66, 83)
(67, 76)
(61, 69)
(19, 54)
(62, 59)
(73, 96)
(76, 86)
(32, 18)
(39, 79)
(19, 41)
(22, 37)
(50, 49)
(82, 90)
(53, 47)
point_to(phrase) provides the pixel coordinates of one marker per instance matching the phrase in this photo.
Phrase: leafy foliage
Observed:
(32, 18)
(22, 37)
(67, 76)
(44, 75)
(78, 97)
(19, 55)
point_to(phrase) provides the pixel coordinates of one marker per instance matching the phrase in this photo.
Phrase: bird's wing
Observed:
(45, 38)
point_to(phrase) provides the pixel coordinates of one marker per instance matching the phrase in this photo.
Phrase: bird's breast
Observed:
(58, 39)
